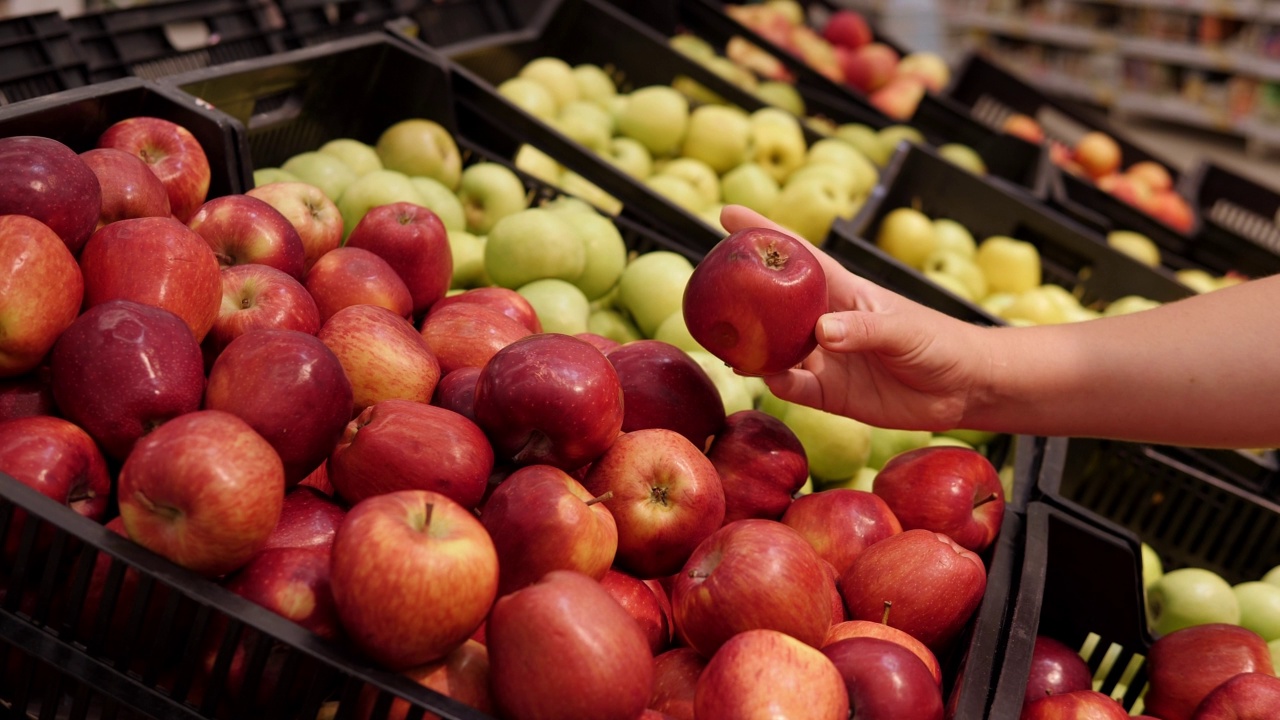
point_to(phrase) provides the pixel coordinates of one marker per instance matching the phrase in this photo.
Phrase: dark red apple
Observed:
(601, 343)
(885, 680)
(292, 582)
(866, 628)
(172, 153)
(838, 613)
(41, 289)
(457, 392)
(639, 601)
(753, 676)
(761, 464)
(45, 180)
(950, 490)
(351, 276)
(1186, 665)
(847, 28)
(675, 681)
(1075, 705)
(1055, 669)
(129, 188)
(244, 230)
(1247, 696)
(504, 300)
(257, 297)
(413, 240)
(318, 480)
(469, 334)
(308, 519)
(462, 675)
(755, 299)
(27, 395)
(663, 387)
(840, 523)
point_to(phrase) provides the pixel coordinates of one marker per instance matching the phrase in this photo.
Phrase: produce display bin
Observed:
(312, 22)
(78, 116)
(155, 40)
(37, 57)
(1238, 216)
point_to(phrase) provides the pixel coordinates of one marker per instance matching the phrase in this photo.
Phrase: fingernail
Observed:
(830, 329)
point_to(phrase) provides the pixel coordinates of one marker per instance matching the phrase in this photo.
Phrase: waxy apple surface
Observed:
(761, 463)
(41, 289)
(172, 153)
(953, 491)
(43, 179)
(663, 387)
(768, 674)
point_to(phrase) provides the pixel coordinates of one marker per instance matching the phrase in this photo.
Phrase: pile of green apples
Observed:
(1144, 250)
(1001, 274)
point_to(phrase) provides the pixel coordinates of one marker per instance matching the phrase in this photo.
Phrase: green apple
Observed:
(673, 331)
(964, 156)
(974, 438)
(468, 260)
(810, 206)
(1191, 596)
(778, 147)
(772, 405)
(781, 95)
(711, 216)
(954, 237)
(489, 192)
(907, 234)
(1008, 477)
(1272, 576)
(843, 177)
(442, 201)
(698, 174)
(961, 268)
(756, 387)
(805, 489)
(733, 391)
(266, 176)
(657, 116)
(837, 152)
(1129, 304)
(323, 170)
(652, 288)
(1011, 266)
(885, 443)
(380, 187)
(950, 283)
(864, 480)
(789, 9)
(586, 123)
(1152, 567)
(679, 191)
(1069, 304)
(555, 75)
(1274, 647)
(561, 306)
(1197, 279)
(692, 45)
(718, 136)
(892, 135)
(1137, 246)
(531, 245)
(531, 160)
(421, 147)
(1081, 313)
(821, 125)
(606, 251)
(630, 156)
(1259, 608)
(733, 72)
(837, 446)
(594, 84)
(752, 186)
(574, 184)
(995, 303)
(531, 96)
(866, 141)
(695, 91)
(1036, 307)
(570, 204)
(613, 325)
(360, 157)
(944, 441)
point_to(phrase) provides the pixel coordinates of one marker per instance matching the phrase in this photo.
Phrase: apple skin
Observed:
(541, 519)
(314, 216)
(667, 498)
(1247, 696)
(951, 490)
(866, 628)
(45, 180)
(761, 465)
(27, 395)
(129, 188)
(462, 675)
(1098, 153)
(847, 28)
(469, 334)
(308, 519)
(203, 490)
(172, 153)
(292, 582)
(292, 391)
(242, 229)
(662, 387)
(751, 574)
(1075, 705)
(603, 669)
(549, 399)
(405, 445)
(412, 240)
(382, 354)
(1055, 669)
(766, 673)
(838, 613)
(457, 392)
(675, 682)
(841, 523)
(426, 550)
(123, 368)
(754, 300)
(600, 342)
(41, 288)
(257, 297)
(885, 680)
(934, 584)
(504, 300)
(348, 276)
(154, 261)
(1184, 666)
(640, 601)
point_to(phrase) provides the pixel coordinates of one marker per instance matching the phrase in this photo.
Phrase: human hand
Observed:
(881, 358)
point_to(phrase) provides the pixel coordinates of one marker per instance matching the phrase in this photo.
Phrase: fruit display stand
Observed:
(311, 22)
(151, 41)
(1238, 227)
(38, 57)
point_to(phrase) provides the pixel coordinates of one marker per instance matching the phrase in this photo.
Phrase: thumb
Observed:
(859, 331)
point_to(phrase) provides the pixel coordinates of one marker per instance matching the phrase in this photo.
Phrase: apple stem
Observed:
(990, 498)
(224, 260)
(426, 523)
(80, 492)
(696, 574)
(888, 605)
(603, 498)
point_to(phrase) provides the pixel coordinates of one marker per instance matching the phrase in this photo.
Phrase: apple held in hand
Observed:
(1075, 705)
(172, 153)
(412, 240)
(1186, 665)
(129, 188)
(383, 356)
(766, 673)
(41, 288)
(1247, 696)
(45, 180)
(350, 276)
(755, 299)
(313, 216)
(203, 490)
(663, 387)
(841, 523)
(242, 229)
(949, 490)
(257, 297)
(429, 553)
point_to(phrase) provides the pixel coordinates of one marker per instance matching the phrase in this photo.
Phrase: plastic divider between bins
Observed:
(38, 56)
(312, 22)
(1238, 217)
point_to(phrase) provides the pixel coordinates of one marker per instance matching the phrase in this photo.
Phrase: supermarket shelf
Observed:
(1053, 33)
(1219, 8)
(1069, 87)
(1176, 109)
(1228, 61)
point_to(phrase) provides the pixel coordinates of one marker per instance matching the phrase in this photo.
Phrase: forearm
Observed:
(1202, 372)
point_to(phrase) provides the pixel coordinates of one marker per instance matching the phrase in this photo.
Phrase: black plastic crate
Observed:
(312, 22)
(1238, 221)
(77, 117)
(155, 40)
(1070, 255)
(37, 57)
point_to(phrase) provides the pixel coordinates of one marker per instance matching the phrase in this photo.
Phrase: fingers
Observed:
(738, 217)
(847, 332)
(797, 386)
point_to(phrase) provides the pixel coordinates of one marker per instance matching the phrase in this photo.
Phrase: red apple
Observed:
(949, 490)
(154, 261)
(27, 395)
(1247, 696)
(308, 519)
(639, 600)
(469, 334)
(838, 613)
(351, 276)
(457, 392)
(430, 554)
(462, 675)
(768, 674)
(900, 97)
(121, 369)
(319, 480)
(1055, 670)
(45, 180)
(292, 582)
(869, 67)
(203, 490)
(504, 300)
(413, 240)
(1172, 209)
(1024, 127)
(1076, 705)
(751, 574)
(666, 498)
(95, 621)
(172, 153)
(600, 342)
(934, 584)
(847, 28)
(405, 445)
(541, 520)
(761, 465)
(129, 188)
(313, 215)
(662, 387)
(841, 523)
(1153, 174)
(257, 297)
(1186, 665)
(865, 628)
(292, 391)
(40, 292)
(755, 299)
(549, 399)
(602, 668)
(382, 354)
(243, 230)
(1098, 153)
(675, 682)
(885, 680)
